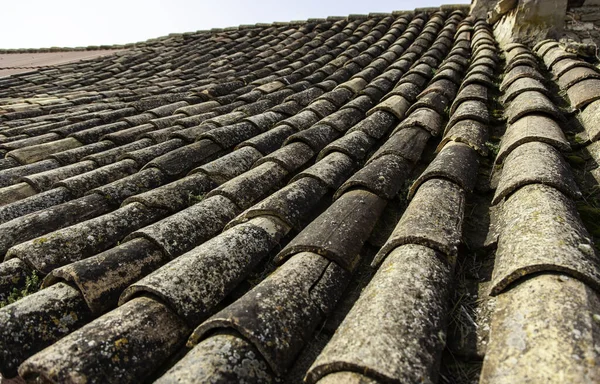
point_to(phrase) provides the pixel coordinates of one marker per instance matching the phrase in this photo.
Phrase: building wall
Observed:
(582, 24)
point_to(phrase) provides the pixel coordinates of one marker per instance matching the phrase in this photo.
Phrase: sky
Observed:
(71, 23)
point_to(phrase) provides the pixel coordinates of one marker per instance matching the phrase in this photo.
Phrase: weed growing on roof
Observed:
(494, 148)
(562, 93)
(579, 140)
(588, 207)
(195, 199)
(576, 161)
(575, 139)
(591, 217)
(497, 114)
(32, 285)
(458, 371)
(463, 313)
(403, 193)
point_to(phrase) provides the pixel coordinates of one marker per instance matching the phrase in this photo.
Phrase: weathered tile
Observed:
(198, 127)
(249, 187)
(541, 232)
(113, 154)
(550, 322)
(397, 105)
(177, 195)
(290, 305)
(555, 55)
(184, 230)
(229, 166)
(476, 92)
(218, 359)
(336, 234)
(408, 140)
(433, 219)
(84, 239)
(531, 128)
(292, 204)
(355, 144)
(544, 46)
(531, 102)
(332, 170)
(470, 132)
(210, 271)
(34, 153)
(290, 157)
(100, 279)
(590, 119)
(347, 377)
(13, 274)
(535, 163)
(456, 162)
(38, 223)
(110, 343)
(521, 85)
(519, 73)
(74, 155)
(37, 321)
(384, 176)
(526, 60)
(393, 330)
(424, 119)
(13, 175)
(565, 65)
(184, 159)
(584, 92)
(575, 75)
(469, 110)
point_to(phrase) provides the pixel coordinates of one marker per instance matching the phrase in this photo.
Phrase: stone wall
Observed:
(576, 23)
(582, 24)
(528, 21)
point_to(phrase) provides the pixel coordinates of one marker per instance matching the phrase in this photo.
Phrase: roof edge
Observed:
(150, 41)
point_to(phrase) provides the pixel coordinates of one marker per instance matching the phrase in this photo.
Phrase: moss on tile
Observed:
(32, 285)
(403, 193)
(591, 219)
(497, 113)
(575, 160)
(494, 148)
(195, 199)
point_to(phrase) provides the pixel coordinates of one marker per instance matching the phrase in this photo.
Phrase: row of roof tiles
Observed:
(545, 266)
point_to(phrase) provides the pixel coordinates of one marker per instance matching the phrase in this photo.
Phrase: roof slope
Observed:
(327, 200)
(13, 63)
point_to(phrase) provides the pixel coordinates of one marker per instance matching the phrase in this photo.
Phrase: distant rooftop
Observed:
(13, 63)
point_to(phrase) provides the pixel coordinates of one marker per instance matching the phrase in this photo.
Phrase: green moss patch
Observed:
(32, 285)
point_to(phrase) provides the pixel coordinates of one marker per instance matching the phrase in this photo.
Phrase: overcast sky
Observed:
(70, 23)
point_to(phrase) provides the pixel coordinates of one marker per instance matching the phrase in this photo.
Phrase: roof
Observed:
(13, 63)
(378, 198)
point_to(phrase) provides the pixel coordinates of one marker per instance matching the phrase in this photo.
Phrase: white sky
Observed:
(69, 23)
